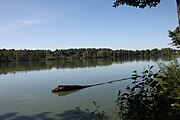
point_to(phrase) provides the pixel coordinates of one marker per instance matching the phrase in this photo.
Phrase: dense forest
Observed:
(12, 55)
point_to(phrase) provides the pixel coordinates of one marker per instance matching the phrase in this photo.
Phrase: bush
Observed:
(153, 96)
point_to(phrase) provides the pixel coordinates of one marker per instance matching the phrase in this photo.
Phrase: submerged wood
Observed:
(64, 93)
(69, 87)
(65, 88)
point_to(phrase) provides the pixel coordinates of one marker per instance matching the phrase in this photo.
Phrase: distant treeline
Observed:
(35, 55)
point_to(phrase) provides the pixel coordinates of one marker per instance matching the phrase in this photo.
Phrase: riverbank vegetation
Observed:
(12, 55)
(151, 96)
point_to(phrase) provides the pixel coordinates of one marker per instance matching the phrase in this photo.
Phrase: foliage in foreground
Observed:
(96, 114)
(175, 37)
(152, 96)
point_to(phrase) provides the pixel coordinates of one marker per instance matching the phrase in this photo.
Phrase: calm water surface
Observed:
(25, 88)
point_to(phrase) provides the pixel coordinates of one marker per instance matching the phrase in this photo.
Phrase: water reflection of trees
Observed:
(66, 115)
(14, 67)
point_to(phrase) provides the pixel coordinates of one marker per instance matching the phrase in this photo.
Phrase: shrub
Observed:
(153, 96)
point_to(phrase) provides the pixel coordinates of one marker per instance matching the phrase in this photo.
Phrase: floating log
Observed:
(64, 93)
(66, 88)
(69, 87)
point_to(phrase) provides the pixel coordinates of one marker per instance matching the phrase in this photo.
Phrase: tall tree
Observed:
(175, 37)
(178, 10)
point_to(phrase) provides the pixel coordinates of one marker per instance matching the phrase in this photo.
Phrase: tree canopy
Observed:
(36, 55)
(137, 3)
(175, 37)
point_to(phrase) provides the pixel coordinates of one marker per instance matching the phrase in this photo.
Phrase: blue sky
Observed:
(63, 24)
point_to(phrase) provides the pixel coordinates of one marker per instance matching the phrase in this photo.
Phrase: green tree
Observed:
(175, 37)
(155, 52)
(137, 3)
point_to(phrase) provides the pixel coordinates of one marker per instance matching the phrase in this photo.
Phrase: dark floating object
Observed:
(63, 90)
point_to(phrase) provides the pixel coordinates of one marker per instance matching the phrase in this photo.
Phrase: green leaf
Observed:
(165, 85)
(125, 94)
(155, 75)
(146, 71)
(160, 76)
(154, 83)
(151, 67)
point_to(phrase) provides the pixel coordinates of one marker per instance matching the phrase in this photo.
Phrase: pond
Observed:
(25, 87)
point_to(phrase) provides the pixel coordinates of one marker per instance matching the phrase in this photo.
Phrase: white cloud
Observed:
(31, 21)
(22, 23)
(28, 22)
